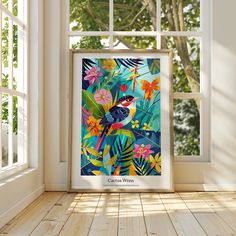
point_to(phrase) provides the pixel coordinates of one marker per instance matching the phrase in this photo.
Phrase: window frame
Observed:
(204, 34)
(22, 23)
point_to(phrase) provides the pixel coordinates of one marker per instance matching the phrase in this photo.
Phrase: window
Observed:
(181, 25)
(13, 86)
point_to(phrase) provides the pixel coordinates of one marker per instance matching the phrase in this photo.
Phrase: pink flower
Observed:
(103, 97)
(92, 75)
(142, 151)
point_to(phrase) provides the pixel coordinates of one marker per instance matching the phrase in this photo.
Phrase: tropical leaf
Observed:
(87, 64)
(123, 148)
(92, 151)
(96, 162)
(117, 171)
(132, 171)
(131, 62)
(154, 66)
(95, 109)
(106, 150)
(124, 132)
(97, 172)
(142, 166)
(112, 161)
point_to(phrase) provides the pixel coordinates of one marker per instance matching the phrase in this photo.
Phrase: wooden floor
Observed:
(55, 213)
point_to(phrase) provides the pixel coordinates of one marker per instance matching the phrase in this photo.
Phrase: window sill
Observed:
(13, 177)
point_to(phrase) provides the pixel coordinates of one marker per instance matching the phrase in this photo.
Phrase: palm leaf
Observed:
(142, 167)
(131, 62)
(154, 66)
(87, 64)
(123, 148)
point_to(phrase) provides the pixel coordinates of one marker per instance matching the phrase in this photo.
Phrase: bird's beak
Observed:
(136, 98)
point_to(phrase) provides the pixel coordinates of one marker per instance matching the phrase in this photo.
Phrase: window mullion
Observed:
(10, 86)
(111, 27)
(0, 92)
(158, 24)
(179, 95)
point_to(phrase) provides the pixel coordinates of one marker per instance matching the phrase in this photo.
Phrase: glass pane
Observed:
(5, 3)
(186, 63)
(89, 15)
(132, 15)
(15, 128)
(186, 127)
(5, 46)
(88, 42)
(134, 42)
(182, 16)
(5, 129)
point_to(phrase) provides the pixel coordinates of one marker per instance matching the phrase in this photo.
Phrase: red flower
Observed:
(123, 87)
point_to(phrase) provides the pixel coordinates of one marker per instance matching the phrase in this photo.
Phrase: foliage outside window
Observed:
(12, 85)
(150, 24)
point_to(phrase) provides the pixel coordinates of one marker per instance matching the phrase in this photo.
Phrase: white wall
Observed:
(17, 191)
(220, 172)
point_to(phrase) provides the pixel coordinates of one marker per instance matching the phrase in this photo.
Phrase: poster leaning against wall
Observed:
(120, 126)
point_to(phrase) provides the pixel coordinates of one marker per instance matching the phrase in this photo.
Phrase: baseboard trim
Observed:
(19, 206)
(56, 187)
(205, 187)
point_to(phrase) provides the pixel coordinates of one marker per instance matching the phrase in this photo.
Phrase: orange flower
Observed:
(149, 88)
(94, 127)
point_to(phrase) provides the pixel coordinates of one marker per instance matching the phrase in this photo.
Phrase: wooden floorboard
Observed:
(127, 214)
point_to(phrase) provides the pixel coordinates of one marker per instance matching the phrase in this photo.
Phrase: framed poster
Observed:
(120, 130)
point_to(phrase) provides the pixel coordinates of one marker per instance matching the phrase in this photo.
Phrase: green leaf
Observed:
(112, 161)
(124, 132)
(97, 172)
(94, 108)
(92, 151)
(106, 150)
(142, 166)
(154, 66)
(123, 149)
(96, 162)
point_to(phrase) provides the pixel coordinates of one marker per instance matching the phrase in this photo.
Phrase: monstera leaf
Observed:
(131, 62)
(123, 149)
(96, 110)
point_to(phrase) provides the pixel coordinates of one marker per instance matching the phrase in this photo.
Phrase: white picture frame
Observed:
(160, 183)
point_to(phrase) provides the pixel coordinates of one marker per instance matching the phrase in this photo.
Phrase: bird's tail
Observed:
(102, 136)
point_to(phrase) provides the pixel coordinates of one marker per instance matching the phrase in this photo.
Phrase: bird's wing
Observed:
(115, 115)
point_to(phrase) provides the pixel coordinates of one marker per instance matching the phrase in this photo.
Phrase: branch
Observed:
(96, 19)
(151, 7)
(134, 19)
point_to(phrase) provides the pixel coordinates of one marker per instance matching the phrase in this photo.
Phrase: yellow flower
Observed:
(156, 162)
(135, 124)
(109, 64)
(94, 126)
(146, 126)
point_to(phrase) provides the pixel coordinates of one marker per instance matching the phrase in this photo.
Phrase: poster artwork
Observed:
(120, 134)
